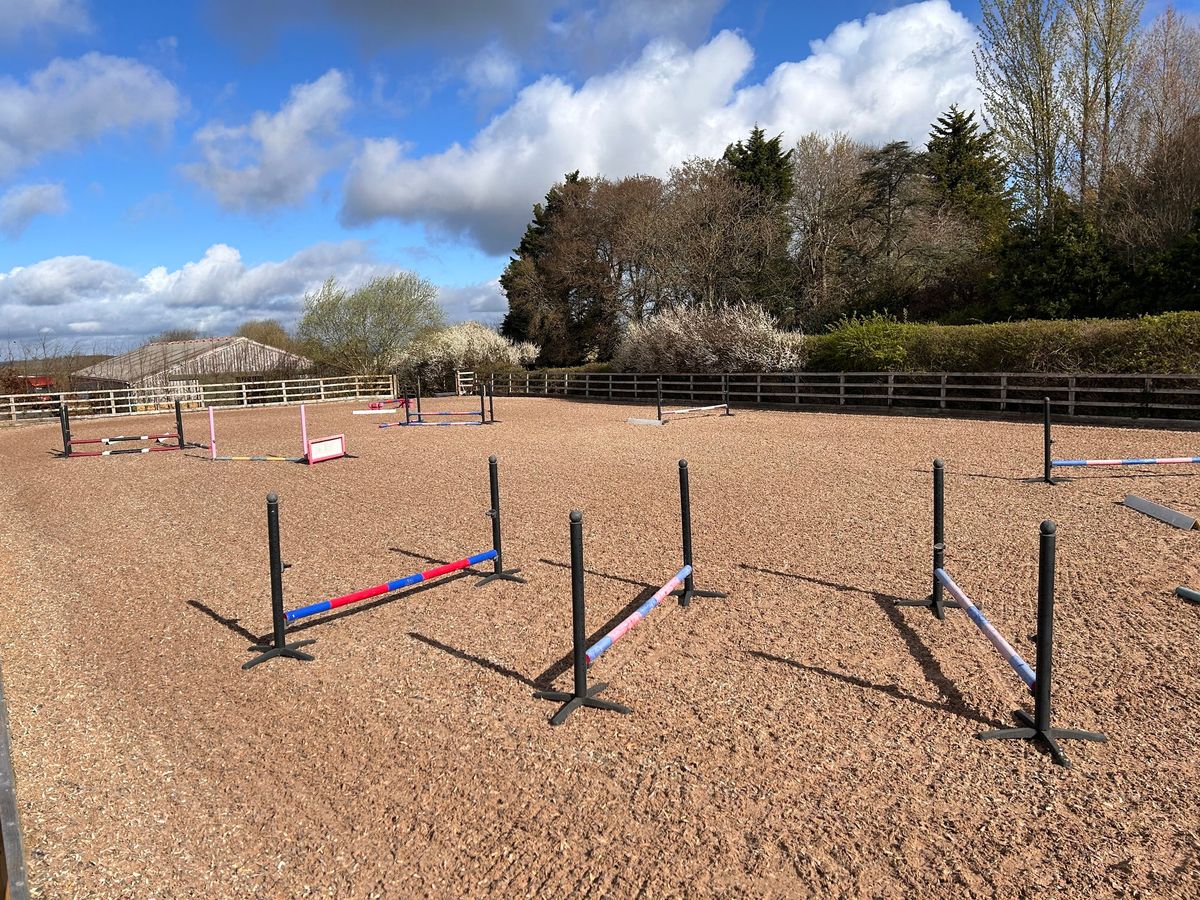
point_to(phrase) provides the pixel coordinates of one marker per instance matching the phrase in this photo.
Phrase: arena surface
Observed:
(800, 738)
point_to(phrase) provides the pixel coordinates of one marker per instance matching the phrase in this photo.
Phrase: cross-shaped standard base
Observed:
(685, 596)
(270, 651)
(1049, 736)
(502, 575)
(573, 702)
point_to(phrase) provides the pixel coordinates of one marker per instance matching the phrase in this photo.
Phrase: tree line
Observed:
(1074, 192)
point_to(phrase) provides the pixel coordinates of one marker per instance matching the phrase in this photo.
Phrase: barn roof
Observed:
(238, 355)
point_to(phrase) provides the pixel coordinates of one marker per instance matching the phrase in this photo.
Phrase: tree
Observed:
(763, 165)
(1098, 69)
(965, 174)
(1018, 63)
(175, 334)
(269, 332)
(824, 222)
(362, 332)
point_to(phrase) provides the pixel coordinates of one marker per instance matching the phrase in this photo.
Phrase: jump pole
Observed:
(680, 585)
(1049, 463)
(64, 421)
(582, 694)
(281, 618)
(658, 401)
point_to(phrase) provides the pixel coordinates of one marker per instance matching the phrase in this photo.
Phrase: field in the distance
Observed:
(802, 737)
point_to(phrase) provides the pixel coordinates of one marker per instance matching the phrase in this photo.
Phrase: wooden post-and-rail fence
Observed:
(1153, 399)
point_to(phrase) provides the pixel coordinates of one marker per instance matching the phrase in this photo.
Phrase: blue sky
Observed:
(196, 165)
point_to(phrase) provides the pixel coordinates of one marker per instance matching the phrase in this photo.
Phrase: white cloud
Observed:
(75, 100)
(277, 159)
(483, 302)
(22, 204)
(213, 295)
(18, 17)
(492, 70)
(880, 78)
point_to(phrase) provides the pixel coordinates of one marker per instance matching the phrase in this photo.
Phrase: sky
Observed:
(198, 165)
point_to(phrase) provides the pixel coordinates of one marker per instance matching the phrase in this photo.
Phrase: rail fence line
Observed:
(1154, 398)
(135, 401)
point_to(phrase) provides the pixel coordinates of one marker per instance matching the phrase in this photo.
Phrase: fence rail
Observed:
(1149, 398)
(137, 401)
(1152, 398)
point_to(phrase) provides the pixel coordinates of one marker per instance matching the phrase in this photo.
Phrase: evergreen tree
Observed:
(763, 164)
(965, 173)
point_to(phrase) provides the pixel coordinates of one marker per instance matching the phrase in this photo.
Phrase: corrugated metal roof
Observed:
(182, 357)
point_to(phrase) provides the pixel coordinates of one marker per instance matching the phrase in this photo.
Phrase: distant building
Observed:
(183, 364)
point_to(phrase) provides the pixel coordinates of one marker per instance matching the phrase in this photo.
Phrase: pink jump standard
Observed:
(314, 451)
(681, 585)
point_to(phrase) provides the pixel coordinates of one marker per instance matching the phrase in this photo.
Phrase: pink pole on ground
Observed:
(212, 434)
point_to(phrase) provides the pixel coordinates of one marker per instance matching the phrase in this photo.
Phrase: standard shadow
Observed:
(232, 624)
(930, 668)
(564, 663)
(477, 660)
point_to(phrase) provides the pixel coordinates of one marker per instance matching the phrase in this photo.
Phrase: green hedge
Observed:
(1151, 345)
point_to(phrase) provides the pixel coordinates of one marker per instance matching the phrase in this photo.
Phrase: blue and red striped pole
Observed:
(388, 587)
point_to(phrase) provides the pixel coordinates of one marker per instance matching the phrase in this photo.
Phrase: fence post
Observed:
(112, 402)
(942, 400)
(758, 388)
(1071, 396)
(841, 389)
(1003, 393)
(283, 391)
(245, 399)
(12, 407)
(891, 387)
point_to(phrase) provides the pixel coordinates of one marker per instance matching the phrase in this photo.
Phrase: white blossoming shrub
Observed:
(435, 356)
(737, 338)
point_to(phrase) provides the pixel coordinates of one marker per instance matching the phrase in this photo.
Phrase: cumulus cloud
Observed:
(76, 100)
(19, 18)
(277, 159)
(79, 295)
(22, 204)
(879, 78)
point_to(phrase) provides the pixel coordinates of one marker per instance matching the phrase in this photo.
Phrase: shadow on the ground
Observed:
(930, 668)
(564, 663)
(232, 624)
(630, 581)
(488, 664)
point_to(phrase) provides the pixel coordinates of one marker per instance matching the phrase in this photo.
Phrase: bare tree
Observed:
(826, 196)
(1019, 64)
(1098, 72)
(1159, 185)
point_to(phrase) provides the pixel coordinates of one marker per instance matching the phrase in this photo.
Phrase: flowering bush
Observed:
(738, 338)
(435, 356)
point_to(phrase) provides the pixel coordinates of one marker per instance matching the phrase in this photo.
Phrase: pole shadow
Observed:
(891, 690)
(629, 581)
(421, 556)
(931, 669)
(564, 663)
(488, 664)
(233, 625)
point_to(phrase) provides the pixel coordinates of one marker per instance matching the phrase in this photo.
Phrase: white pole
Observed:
(303, 433)
(212, 434)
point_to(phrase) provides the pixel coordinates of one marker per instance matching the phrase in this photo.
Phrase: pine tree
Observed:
(763, 164)
(965, 173)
